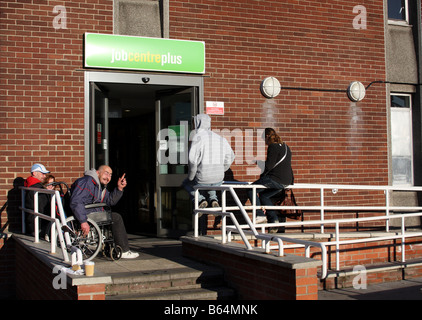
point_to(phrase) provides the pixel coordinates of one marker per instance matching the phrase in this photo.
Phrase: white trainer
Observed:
(130, 255)
(260, 219)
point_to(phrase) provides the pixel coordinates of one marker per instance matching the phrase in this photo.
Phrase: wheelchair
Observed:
(100, 236)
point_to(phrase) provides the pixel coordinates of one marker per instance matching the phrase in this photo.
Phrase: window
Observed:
(401, 139)
(398, 11)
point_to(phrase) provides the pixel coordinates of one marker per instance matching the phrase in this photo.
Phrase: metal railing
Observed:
(251, 227)
(57, 222)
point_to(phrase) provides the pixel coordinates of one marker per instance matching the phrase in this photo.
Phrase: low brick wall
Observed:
(38, 276)
(256, 275)
(7, 267)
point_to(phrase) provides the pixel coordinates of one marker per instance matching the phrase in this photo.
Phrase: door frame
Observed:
(171, 179)
(132, 78)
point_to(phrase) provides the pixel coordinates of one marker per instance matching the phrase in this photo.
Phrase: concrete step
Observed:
(218, 293)
(173, 284)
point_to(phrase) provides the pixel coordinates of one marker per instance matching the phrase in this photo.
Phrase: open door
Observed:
(99, 127)
(174, 112)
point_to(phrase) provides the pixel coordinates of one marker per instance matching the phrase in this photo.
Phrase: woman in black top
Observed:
(277, 174)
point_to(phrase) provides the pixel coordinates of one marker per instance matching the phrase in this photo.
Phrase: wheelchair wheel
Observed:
(116, 252)
(89, 245)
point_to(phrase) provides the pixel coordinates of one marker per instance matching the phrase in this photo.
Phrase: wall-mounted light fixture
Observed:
(356, 91)
(270, 87)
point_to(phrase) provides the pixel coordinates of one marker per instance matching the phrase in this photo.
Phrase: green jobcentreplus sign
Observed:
(139, 53)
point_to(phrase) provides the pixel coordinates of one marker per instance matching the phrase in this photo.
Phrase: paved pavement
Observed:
(154, 254)
(410, 289)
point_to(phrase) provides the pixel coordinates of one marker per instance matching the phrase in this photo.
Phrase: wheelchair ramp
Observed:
(162, 273)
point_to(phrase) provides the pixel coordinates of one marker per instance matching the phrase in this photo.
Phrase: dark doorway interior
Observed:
(132, 149)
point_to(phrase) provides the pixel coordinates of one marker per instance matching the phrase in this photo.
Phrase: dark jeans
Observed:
(119, 232)
(117, 227)
(189, 187)
(263, 197)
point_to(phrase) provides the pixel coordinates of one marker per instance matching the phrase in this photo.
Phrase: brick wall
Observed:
(369, 255)
(256, 279)
(41, 96)
(7, 268)
(41, 87)
(34, 281)
(305, 44)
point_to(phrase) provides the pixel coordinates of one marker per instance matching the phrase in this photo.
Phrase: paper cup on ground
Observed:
(89, 268)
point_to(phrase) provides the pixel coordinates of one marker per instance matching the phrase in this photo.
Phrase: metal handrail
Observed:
(266, 238)
(65, 241)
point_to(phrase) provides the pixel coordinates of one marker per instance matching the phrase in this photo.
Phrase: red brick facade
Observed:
(304, 44)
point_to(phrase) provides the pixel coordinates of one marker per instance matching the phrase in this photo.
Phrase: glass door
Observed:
(99, 127)
(174, 111)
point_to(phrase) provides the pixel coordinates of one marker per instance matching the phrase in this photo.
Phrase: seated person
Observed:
(277, 174)
(91, 188)
(36, 180)
(210, 155)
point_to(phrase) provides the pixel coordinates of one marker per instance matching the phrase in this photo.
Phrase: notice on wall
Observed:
(214, 107)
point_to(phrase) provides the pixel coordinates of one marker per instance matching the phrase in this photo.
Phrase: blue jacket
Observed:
(88, 190)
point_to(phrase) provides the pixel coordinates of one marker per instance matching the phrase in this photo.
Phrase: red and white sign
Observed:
(215, 107)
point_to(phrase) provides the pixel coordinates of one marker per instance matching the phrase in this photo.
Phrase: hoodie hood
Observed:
(202, 122)
(30, 181)
(93, 174)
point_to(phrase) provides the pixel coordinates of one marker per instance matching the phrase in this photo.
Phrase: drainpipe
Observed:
(418, 174)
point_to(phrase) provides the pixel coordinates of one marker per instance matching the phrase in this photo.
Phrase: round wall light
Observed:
(356, 91)
(270, 87)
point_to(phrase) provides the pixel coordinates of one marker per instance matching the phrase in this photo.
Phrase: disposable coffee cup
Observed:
(89, 268)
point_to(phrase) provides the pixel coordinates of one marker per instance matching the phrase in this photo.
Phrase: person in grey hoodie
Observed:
(91, 188)
(210, 155)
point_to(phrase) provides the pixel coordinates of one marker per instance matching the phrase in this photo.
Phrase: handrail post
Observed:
(195, 216)
(36, 219)
(403, 237)
(223, 217)
(53, 230)
(23, 211)
(254, 204)
(322, 208)
(337, 246)
(387, 211)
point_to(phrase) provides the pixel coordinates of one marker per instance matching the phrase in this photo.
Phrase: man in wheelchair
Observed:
(91, 189)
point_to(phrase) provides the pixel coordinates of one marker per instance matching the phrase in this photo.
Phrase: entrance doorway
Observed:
(140, 126)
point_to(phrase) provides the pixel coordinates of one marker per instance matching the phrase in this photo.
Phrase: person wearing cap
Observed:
(36, 180)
